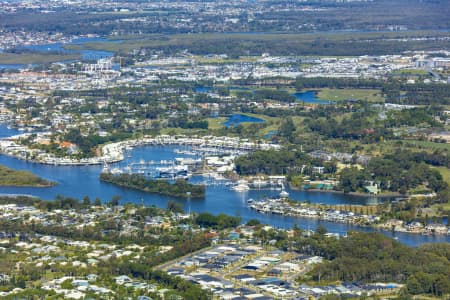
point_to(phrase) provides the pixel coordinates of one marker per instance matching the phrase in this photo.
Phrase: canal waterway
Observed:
(78, 181)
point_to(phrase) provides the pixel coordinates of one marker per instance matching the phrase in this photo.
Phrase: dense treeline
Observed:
(257, 45)
(417, 94)
(396, 172)
(372, 257)
(270, 162)
(277, 95)
(185, 123)
(436, 158)
(218, 222)
(411, 117)
(358, 126)
(180, 188)
(288, 162)
(87, 144)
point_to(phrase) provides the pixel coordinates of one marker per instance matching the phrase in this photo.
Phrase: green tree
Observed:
(115, 200)
(287, 129)
(86, 201)
(175, 207)
(321, 230)
(97, 201)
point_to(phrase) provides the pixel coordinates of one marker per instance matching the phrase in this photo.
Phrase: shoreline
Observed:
(358, 194)
(10, 177)
(285, 207)
(114, 152)
(29, 185)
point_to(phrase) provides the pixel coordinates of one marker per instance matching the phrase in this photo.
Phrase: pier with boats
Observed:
(180, 168)
(115, 152)
(283, 206)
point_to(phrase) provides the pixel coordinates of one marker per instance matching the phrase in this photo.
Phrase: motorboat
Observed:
(242, 186)
(284, 194)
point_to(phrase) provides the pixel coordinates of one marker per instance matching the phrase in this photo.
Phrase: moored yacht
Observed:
(242, 186)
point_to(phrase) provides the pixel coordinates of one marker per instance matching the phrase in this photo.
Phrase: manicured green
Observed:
(371, 95)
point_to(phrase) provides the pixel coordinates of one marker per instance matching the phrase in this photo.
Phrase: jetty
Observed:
(115, 152)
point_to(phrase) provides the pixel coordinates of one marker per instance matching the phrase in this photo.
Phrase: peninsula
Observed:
(11, 177)
(178, 189)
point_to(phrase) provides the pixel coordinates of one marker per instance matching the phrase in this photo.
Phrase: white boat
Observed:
(175, 172)
(284, 194)
(258, 183)
(241, 187)
(116, 171)
(105, 168)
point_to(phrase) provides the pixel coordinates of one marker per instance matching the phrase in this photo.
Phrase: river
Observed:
(83, 180)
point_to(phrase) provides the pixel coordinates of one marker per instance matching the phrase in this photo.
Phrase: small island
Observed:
(178, 189)
(11, 177)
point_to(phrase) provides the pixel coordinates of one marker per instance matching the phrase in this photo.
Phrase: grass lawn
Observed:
(417, 72)
(445, 172)
(427, 145)
(391, 145)
(343, 94)
(215, 123)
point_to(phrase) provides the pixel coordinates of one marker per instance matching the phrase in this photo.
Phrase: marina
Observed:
(115, 152)
(78, 181)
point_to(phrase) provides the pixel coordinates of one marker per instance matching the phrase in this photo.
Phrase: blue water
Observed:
(202, 89)
(84, 180)
(7, 132)
(311, 98)
(237, 119)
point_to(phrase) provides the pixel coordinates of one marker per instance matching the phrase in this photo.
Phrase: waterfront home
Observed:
(437, 228)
